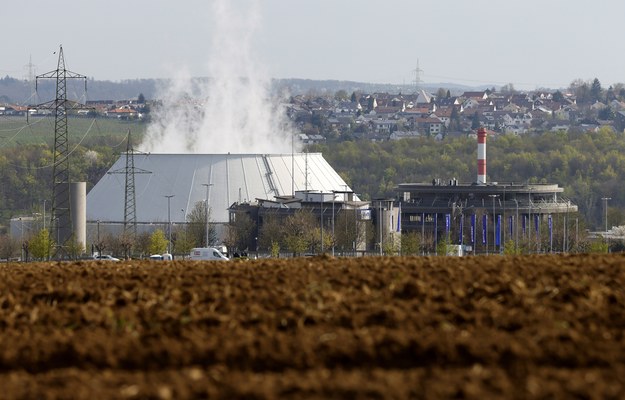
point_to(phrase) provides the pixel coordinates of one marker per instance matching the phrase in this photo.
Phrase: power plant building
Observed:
(484, 216)
(169, 186)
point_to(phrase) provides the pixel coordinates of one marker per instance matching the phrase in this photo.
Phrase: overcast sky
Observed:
(530, 43)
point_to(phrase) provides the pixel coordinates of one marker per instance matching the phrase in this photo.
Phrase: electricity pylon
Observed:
(130, 205)
(61, 214)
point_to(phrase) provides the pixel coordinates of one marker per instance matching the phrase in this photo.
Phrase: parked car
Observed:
(105, 258)
(159, 257)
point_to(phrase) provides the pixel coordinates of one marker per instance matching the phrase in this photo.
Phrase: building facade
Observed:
(484, 218)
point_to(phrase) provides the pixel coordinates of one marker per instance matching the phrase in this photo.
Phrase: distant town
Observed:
(321, 115)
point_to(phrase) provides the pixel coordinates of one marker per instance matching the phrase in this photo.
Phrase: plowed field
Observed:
(388, 328)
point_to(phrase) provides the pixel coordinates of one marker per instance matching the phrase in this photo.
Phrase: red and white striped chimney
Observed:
(481, 156)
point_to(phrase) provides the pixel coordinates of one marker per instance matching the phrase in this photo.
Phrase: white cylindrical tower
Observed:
(78, 207)
(481, 156)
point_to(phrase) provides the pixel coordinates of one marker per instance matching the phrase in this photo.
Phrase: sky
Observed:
(531, 44)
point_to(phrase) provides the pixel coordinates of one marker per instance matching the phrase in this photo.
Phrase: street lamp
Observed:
(356, 227)
(22, 238)
(493, 196)
(334, 193)
(169, 222)
(208, 185)
(380, 223)
(333, 237)
(321, 217)
(605, 199)
(516, 228)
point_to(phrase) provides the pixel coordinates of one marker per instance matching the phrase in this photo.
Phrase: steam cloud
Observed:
(232, 110)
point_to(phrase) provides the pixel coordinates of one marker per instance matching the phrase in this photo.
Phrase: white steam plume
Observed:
(231, 111)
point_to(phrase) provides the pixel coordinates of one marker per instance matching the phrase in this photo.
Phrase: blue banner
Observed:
(510, 224)
(435, 227)
(484, 228)
(536, 224)
(498, 232)
(550, 232)
(447, 223)
(460, 236)
(473, 229)
(524, 221)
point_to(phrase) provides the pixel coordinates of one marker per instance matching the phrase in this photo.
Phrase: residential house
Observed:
(125, 112)
(557, 126)
(448, 101)
(12, 109)
(311, 139)
(444, 115)
(348, 107)
(481, 95)
(429, 126)
(383, 125)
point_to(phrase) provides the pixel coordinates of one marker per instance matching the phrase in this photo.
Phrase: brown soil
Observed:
(388, 328)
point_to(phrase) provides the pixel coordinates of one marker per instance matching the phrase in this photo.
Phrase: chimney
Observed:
(481, 156)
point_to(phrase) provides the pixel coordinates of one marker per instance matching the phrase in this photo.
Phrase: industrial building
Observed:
(483, 216)
(168, 186)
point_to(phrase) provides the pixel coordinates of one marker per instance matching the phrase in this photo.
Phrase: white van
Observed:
(206, 253)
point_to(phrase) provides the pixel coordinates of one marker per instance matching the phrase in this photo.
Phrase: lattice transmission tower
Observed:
(417, 77)
(61, 214)
(130, 204)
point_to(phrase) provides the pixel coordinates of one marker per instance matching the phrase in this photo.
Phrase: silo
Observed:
(78, 207)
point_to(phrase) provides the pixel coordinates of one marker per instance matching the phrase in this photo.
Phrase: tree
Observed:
(183, 243)
(239, 232)
(141, 99)
(410, 243)
(558, 96)
(341, 95)
(508, 89)
(475, 121)
(9, 247)
(606, 113)
(270, 235)
(581, 91)
(158, 242)
(440, 93)
(319, 121)
(74, 248)
(371, 103)
(596, 90)
(345, 230)
(197, 226)
(142, 244)
(119, 245)
(297, 231)
(40, 245)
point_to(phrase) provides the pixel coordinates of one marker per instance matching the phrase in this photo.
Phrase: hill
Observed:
(16, 91)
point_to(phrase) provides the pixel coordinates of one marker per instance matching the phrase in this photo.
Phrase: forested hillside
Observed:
(588, 165)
